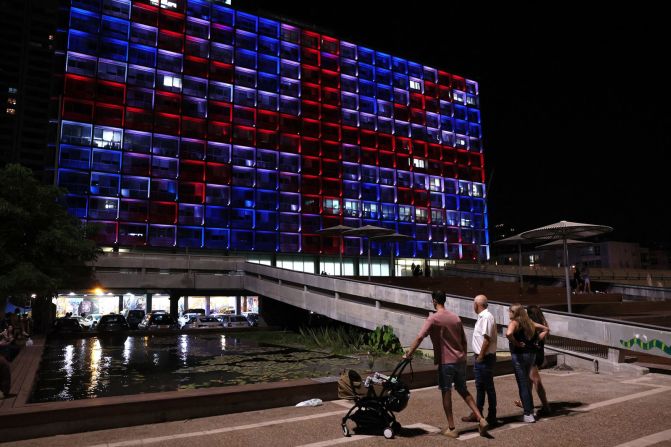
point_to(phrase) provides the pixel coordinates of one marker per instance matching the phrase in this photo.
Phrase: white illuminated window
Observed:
(419, 163)
(172, 81)
(415, 85)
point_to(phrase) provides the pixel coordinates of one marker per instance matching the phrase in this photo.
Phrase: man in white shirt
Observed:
(484, 349)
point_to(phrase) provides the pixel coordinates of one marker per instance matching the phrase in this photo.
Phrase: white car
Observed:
(185, 317)
(84, 322)
(202, 322)
(234, 321)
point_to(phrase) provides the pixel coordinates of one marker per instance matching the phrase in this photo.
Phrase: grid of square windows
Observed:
(198, 125)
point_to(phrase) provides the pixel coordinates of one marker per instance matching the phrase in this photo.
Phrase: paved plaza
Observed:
(590, 410)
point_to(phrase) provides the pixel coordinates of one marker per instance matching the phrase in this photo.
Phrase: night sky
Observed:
(576, 104)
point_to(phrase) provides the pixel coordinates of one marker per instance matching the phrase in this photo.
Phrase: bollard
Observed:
(596, 366)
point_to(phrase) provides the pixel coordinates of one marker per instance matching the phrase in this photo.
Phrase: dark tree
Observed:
(42, 247)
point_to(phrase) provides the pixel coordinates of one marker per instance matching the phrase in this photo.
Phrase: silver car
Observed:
(234, 321)
(202, 322)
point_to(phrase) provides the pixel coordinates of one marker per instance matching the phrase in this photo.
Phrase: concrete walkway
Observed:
(590, 410)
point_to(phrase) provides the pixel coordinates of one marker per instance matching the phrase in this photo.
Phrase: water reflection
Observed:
(131, 365)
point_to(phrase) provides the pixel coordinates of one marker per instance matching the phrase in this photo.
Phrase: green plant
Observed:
(383, 339)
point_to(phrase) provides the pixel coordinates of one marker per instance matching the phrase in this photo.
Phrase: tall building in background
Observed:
(27, 32)
(190, 124)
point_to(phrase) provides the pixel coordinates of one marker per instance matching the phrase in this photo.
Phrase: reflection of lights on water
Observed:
(184, 347)
(94, 365)
(127, 349)
(156, 359)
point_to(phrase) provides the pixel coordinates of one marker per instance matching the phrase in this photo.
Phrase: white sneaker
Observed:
(529, 418)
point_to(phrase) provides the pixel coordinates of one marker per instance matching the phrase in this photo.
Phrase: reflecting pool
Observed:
(93, 367)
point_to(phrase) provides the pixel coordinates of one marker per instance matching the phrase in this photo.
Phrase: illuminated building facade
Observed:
(191, 124)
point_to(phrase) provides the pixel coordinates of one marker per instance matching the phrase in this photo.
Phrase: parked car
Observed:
(134, 317)
(186, 316)
(154, 321)
(252, 317)
(234, 321)
(93, 319)
(63, 326)
(202, 322)
(84, 322)
(112, 323)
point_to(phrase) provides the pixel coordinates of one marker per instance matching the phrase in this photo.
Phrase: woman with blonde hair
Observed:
(523, 335)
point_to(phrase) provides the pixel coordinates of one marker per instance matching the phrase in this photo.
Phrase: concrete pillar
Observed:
(615, 355)
(237, 304)
(186, 303)
(316, 266)
(120, 303)
(148, 302)
(174, 304)
(207, 305)
(355, 266)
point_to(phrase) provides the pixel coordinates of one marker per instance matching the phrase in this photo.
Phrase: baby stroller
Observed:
(375, 400)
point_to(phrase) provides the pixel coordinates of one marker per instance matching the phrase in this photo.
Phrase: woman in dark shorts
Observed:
(537, 316)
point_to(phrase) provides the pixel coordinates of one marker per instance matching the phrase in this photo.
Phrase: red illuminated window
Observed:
(221, 72)
(218, 173)
(79, 87)
(171, 41)
(138, 119)
(167, 102)
(145, 14)
(111, 92)
(166, 123)
(331, 149)
(219, 111)
(331, 132)
(331, 114)
(289, 143)
(193, 127)
(310, 109)
(310, 185)
(244, 135)
(191, 192)
(218, 131)
(310, 146)
(310, 128)
(266, 139)
(195, 66)
(330, 45)
(350, 135)
(77, 110)
(171, 21)
(310, 57)
(109, 115)
(310, 39)
(192, 170)
(267, 120)
(163, 212)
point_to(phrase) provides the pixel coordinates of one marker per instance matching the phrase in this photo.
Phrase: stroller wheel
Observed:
(348, 428)
(388, 433)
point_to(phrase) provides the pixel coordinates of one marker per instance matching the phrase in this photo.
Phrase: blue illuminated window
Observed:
(246, 21)
(198, 8)
(269, 46)
(366, 55)
(83, 20)
(216, 216)
(116, 28)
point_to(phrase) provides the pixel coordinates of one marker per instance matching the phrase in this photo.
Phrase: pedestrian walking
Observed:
(484, 343)
(523, 335)
(449, 350)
